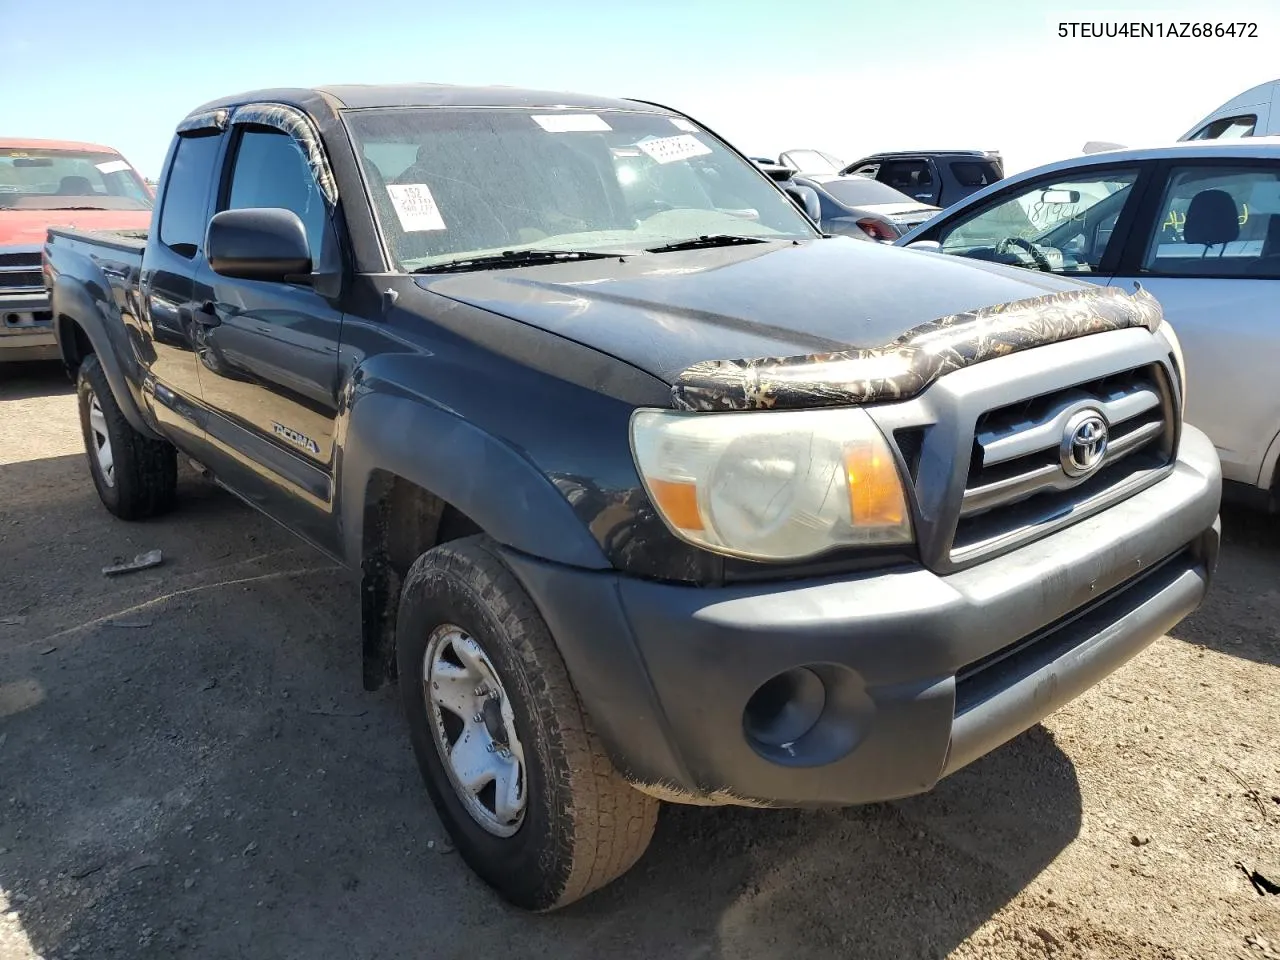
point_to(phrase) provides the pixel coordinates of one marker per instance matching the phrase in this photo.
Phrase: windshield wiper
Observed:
(513, 258)
(707, 240)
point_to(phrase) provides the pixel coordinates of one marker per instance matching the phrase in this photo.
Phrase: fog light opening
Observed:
(785, 708)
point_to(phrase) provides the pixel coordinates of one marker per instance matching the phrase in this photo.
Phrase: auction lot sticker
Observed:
(671, 149)
(416, 207)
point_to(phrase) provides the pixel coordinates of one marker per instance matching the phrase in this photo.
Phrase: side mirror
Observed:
(806, 198)
(928, 246)
(261, 243)
(1060, 196)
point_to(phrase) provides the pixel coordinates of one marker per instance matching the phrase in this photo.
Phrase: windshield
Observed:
(456, 183)
(861, 191)
(41, 179)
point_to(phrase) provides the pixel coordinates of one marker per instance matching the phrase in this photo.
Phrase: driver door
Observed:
(1070, 223)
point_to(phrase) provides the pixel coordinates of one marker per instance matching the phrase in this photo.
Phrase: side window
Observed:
(911, 177)
(1059, 226)
(1228, 128)
(271, 170)
(974, 173)
(867, 170)
(1218, 221)
(182, 215)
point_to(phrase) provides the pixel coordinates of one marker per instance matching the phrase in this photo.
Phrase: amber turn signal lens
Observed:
(875, 492)
(678, 503)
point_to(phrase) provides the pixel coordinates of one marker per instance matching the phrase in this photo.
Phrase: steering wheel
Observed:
(648, 208)
(1041, 261)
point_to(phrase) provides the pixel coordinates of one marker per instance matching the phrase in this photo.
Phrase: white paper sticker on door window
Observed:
(415, 206)
(571, 122)
(671, 149)
(680, 123)
(112, 166)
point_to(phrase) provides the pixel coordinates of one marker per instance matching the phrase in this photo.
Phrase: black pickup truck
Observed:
(656, 494)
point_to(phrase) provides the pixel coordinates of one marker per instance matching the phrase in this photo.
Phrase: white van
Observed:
(1254, 113)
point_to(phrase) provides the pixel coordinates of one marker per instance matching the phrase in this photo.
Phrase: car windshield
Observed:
(862, 191)
(42, 179)
(450, 184)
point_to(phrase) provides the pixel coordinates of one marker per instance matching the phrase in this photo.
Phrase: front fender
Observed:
(478, 474)
(72, 302)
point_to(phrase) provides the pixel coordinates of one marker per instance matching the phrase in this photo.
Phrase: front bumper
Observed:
(923, 673)
(26, 328)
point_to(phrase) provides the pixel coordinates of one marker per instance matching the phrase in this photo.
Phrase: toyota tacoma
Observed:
(655, 493)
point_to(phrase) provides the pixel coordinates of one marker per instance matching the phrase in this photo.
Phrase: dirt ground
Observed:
(189, 767)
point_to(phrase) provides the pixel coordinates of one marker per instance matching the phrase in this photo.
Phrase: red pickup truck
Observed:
(54, 183)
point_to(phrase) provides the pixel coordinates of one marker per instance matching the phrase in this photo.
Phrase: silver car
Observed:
(864, 208)
(1198, 225)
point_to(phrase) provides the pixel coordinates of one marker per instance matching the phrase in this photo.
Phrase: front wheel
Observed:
(507, 751)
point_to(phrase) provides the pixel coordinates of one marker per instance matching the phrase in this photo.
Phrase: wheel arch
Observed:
(81, 329)
(415, 476)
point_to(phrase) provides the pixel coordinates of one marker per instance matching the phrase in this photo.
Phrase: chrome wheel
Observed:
(475, 732)
(101, 441)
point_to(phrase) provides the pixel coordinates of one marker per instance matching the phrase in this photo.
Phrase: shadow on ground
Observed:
(191, 769)
(24, 381)
(1245, 595)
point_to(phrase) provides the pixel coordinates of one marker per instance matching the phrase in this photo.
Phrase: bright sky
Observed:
(846, 76)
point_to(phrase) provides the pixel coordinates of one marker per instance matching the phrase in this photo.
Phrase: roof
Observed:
(1248, 146)
(20, 143)
(364, 96)
(931, 153)
(1266, 148)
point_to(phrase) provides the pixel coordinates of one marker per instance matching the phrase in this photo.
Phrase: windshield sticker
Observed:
(112, 166)
(671, 149)
(416, 207)
(571, 123)
(680, 123)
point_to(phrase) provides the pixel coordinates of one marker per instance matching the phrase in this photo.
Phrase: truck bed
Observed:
(125, 241)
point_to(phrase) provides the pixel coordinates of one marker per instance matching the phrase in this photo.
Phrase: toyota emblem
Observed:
(1084, 443)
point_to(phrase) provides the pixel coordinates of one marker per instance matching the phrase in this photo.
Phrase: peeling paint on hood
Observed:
(907, 365)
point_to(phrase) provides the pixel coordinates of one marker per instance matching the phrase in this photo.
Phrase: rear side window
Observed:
(1228, 128)
(182, 216)
(975, 173)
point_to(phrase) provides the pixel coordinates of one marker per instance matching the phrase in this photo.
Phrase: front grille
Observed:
(1017, 479)
(20, 278)
(20, 270)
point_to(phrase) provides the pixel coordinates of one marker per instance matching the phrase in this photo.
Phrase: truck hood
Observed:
(727, 327)
(28, 227)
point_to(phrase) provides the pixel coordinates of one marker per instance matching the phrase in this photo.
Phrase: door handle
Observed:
(206, 314)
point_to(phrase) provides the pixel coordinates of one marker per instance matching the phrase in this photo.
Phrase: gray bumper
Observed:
(922, 673)
(26, 328)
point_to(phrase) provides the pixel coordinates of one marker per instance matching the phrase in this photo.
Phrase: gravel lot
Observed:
(188, 767)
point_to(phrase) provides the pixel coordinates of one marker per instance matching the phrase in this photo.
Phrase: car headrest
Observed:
(1212, 218)
(75, 187)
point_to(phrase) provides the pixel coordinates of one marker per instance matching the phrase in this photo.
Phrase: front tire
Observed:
(508, 753)
(136, 476)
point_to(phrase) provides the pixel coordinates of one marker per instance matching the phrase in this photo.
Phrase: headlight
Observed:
(1175, 348)
(772, 485)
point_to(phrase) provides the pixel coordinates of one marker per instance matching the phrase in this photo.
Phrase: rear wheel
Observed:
(136, 476)
(507, 751)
